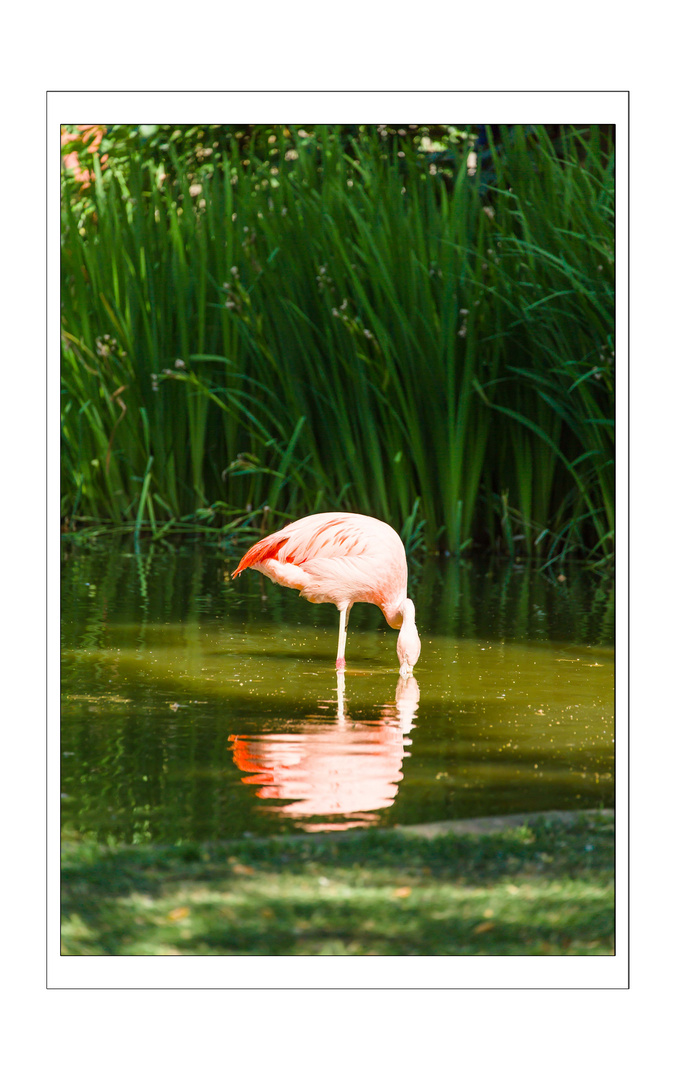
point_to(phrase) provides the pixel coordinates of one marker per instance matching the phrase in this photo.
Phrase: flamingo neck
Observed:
(408, 642)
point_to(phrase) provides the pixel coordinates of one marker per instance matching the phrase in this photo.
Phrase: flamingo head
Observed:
(408, 642)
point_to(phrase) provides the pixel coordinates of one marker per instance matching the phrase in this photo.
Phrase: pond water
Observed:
(196, 708)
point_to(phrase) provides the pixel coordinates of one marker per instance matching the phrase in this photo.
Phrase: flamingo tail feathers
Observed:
(264, 549)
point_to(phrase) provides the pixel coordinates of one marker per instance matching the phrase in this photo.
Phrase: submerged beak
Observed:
(405, 670)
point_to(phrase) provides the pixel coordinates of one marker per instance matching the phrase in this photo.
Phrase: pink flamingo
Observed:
(343, 559)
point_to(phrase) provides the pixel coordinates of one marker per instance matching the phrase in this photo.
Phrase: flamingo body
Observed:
(343, 559)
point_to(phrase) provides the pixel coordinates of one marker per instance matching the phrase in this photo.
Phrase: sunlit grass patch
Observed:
(546, 889)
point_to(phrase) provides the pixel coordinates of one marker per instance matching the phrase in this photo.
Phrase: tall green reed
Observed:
(342, 330)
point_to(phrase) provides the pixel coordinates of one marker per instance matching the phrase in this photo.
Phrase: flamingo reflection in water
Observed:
(346, 769)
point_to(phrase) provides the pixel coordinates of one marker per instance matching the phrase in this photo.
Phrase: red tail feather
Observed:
(264, 549)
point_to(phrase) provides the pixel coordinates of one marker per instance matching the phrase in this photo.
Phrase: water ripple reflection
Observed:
(195, 712)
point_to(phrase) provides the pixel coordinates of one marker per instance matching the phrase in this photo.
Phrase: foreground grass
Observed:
(541, 888)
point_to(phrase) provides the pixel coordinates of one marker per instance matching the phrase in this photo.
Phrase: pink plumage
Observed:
(343, 559)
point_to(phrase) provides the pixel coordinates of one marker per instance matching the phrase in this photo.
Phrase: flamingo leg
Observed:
(342, 638)
(340, 687)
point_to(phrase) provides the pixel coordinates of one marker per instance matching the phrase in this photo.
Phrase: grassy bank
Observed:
(349, 324)
(542, 888)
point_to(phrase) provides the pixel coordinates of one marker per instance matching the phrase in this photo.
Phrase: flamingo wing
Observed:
(319, 535)
(335, 558)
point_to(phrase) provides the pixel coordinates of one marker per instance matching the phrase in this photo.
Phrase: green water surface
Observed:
(197, 708)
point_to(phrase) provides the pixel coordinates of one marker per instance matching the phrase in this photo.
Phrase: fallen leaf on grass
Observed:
(178, 913)
(240, 868)
(483, 927)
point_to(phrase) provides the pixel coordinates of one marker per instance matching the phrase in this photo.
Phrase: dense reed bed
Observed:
(341, 325)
